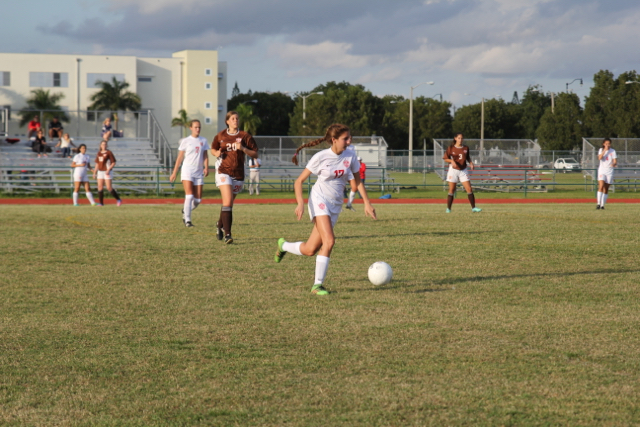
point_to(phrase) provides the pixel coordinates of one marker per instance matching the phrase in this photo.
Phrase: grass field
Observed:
(520, 315)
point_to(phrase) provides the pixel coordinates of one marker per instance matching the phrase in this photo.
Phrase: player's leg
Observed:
(76, 190)
(87, 189)
(352, 195)
(324, 227)
(226, 211)
(112, 191)
(188, 201)
(451, 195)
(471, 196)
(101, 191)
(605, 194)
(197, 195)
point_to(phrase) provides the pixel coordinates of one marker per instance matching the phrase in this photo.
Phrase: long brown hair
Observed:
(333, 131)
(454, 138)
(605, 140)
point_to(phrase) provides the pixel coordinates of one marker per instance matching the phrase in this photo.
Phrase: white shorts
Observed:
(197, 178)
(607, 177)
(80, 175)
(105, 174)
(455, 175)
(318, 206)
(222, 179)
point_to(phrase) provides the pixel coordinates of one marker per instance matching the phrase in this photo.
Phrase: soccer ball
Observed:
(380, 273)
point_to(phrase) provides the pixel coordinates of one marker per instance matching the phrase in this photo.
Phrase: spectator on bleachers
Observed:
(33, 127)
(55, 128)
(65, 144)
(107, 129)
(40, 144)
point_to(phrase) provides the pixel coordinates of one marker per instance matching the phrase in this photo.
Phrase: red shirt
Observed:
(33, 125)
(363, 168)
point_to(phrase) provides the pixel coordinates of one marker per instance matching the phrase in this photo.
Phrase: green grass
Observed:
(520, 315)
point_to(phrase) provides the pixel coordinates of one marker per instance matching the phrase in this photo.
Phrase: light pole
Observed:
(304, 106)
(481, 125)
(78, 60)
(411, 124)
(574, 80)
(437, 94)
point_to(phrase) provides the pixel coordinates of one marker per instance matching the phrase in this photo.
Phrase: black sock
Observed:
(472, 200)
(449, 201)
(101, 196)
(226, 218)
(114, 193)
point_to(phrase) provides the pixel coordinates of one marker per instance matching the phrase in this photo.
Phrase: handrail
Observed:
(159, 142)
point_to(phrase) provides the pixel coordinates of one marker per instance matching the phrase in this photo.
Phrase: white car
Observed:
(567, 164)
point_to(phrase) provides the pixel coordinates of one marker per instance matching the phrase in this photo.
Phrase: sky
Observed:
(469, 49)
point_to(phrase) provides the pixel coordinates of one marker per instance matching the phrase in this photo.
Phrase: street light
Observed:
(574, 80)
(304, 106)
(253, 100)
(628, 82)
(411, 124)
(437, 94)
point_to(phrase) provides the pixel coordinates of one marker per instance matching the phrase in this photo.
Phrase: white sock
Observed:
(352, 195)
(292, 248)
(90, 197)
(188, 200)
(196, 203)
(599, 197)
(604, 199)
(322, 265)
(75, 198)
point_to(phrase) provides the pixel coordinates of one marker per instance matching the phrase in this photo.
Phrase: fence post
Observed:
(157, 181)
(525, 183)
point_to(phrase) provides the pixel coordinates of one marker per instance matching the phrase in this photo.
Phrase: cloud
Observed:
(323, 55)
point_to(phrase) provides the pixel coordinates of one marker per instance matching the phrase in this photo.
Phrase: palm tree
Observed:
(115, 97)
(42, 101)
(181, 120)
(248, 121)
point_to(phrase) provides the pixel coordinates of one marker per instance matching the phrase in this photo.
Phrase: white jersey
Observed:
(333, 172)
(606, 163)
(194, 151)
(79, 159)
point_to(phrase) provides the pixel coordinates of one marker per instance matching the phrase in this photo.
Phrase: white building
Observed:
(193, 80)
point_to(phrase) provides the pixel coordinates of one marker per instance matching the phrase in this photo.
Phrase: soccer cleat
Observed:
(228, 239)
(597, 207)
(188, 224)
(98, 204)
(602, 207)
(119, 202)
(280, 253)
(319, 290)
(184, 221)
(350, 207)
(447, 211)
(476, 210)
(76, 204)
(219, 232)
(95, 204)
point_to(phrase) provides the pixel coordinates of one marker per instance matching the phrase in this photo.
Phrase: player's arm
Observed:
(368, 209)
(206, 162)
(297, 187)
(602, 153)
(172, 178)
(471, 166)
(615, 163)
(113, 162)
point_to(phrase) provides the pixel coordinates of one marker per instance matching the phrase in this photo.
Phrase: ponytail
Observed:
(333, 131)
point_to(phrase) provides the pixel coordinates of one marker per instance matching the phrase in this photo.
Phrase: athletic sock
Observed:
(226, 215)
(90, 197)
(322, 265)
(605, 196)
(187, 207)
(292, 247)
(196, 203)
(352, 196)
(449, 200)
(75, 198)
(101, 196)
(599, 198)
(472, 200)
(114, 193)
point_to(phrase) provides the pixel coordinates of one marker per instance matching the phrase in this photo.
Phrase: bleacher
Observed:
(511, 178)
(138, 167)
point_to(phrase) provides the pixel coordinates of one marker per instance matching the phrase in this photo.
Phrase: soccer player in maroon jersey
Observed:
(103, 172)
(458, 156)
(230, 146)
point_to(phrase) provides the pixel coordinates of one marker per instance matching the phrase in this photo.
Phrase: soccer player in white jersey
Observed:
(81, 163)
(334, 167)
(194, 151)
(608, 160)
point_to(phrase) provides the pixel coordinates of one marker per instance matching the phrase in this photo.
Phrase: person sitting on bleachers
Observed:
(55, 128)
(40, 144)
(33, 127)
(65, 143)
(107, 129)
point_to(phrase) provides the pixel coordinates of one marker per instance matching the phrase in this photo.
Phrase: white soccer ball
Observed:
(380, 273)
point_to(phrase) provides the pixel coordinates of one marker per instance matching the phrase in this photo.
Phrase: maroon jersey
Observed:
(101, 160)
(232, 157)
(460, 156)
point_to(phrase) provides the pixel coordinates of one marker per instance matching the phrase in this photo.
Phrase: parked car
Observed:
(544, 165)
(567, 165)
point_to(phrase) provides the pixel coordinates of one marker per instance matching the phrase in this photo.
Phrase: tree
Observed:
(249, 122)
(273, 110)
(45, 102)
(343, 102)
(500, 120)
(532, 107)
(235, 91)
(395, 121)
(432, 119)
(115, 97)
(182, 120)
(563, 128)
(598, 106)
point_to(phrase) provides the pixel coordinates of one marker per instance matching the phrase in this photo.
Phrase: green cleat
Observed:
(447, 211)
(319, 290)
(476, 210)
(280, 253)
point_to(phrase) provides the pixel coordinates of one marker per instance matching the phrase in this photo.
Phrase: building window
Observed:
(94, 78)
(207, 86)
(207, 105)
(207, 71)
(220, 75)
(5, 78)
(207, 120)
(220, 107)
(145, 79)
(48, 79)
